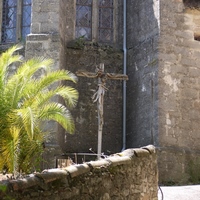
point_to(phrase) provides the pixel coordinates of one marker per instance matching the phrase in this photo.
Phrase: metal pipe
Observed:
(124, 72)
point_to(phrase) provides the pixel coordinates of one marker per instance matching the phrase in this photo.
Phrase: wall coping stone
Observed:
(42, 36)
(50, 175)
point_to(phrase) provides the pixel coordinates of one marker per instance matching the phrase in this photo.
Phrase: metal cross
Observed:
(99, 95)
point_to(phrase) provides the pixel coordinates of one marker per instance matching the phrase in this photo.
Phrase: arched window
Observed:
(16, 20)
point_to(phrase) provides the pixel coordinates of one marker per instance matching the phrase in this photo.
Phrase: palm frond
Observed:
(30, 67)
(17, 83)
(10, 147)
(30, 151)
(69, 94)
(6, 59)
(27, 99)
(56, 76)
(59, 113)
(26, 119)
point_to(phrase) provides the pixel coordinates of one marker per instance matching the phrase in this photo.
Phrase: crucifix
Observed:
(99, 95)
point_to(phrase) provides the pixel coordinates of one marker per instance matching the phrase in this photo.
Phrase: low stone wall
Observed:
(131, 174)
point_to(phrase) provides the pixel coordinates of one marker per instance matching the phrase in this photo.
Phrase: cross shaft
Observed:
(99, 95)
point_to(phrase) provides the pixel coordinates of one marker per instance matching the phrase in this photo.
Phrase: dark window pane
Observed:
(83, 31)
(26, 18)
(11, 3)
(84, 2)
(105, 35)
(26, 2)
(105, 20)
(84, 18)
(9, 21)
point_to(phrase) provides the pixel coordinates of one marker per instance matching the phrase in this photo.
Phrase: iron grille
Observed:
(9, 21)
(26, 17)
(84, 19)
(105, 20)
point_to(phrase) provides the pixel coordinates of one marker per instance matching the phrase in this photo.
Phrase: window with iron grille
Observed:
(16, 20)
(84, 19)
(105, 29)
(94, 20)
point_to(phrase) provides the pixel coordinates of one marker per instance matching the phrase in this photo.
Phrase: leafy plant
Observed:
(26, 102)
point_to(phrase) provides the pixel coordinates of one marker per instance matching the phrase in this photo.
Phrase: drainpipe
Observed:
(124, 72)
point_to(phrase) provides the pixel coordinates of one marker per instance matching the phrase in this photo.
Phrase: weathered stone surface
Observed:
(85, 114)
(178, 138)
(85, 55)
(163, 100)
(45, 16)
(163, 88)
(142, 89)
(134, 180)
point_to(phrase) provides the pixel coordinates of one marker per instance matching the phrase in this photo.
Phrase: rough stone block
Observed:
(77, 170)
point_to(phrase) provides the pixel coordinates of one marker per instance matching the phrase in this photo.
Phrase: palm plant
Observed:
(26, 102)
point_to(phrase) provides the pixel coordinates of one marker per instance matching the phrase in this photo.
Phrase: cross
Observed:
(99, 95)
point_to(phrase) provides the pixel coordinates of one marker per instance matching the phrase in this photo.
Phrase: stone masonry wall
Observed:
(129, 175)
(53, 36)
(45, 17)
(163, 50)
(179, 83)
(44, 41)
(77, 54)
(142, 68)
(85, 113)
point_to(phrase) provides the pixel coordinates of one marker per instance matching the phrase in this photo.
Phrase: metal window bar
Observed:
(105, 29)
(84, 19)
(16, 20)
(9, 21)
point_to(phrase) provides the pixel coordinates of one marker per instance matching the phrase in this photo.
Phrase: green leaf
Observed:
(27, 100)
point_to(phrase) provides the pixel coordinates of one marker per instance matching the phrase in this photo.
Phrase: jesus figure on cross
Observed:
(99, 95)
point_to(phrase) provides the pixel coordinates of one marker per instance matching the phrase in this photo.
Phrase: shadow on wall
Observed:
(142, 90)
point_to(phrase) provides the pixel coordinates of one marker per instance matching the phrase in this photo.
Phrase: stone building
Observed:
(157, 46)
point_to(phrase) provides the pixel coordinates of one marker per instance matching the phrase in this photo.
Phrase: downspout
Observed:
(124, 72)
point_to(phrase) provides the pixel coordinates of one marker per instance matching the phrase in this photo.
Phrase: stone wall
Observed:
(45, 17)
(131, 174)
(163, 91)
(77, 54)
(53, 36)
(142, 68)
(85, 113)
(163, 106)
(179, 103)
(44, 41)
